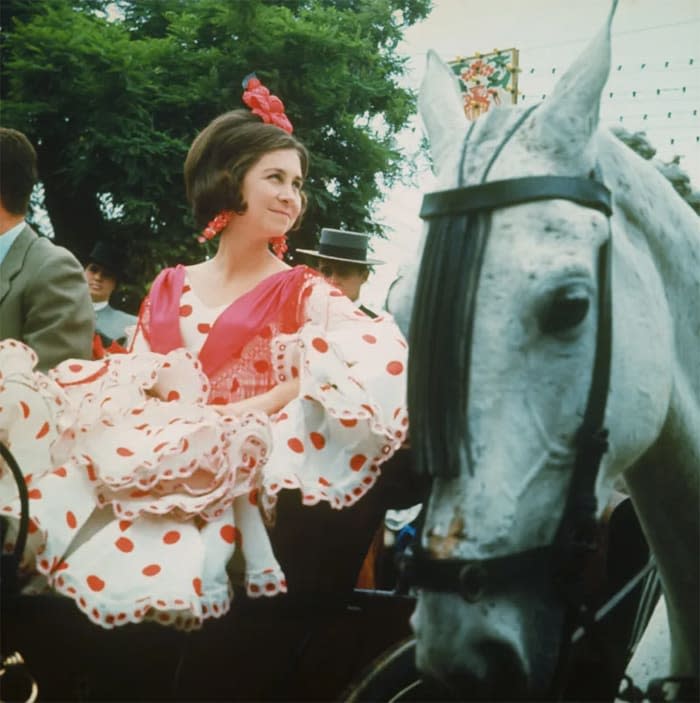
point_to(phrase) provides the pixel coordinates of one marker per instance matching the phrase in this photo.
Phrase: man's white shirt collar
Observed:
(7, 239)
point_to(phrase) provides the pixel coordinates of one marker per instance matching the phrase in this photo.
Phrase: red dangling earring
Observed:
(279, 246)
(215, 226)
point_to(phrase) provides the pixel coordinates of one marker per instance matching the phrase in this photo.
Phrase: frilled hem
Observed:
(141, 492)
(331, 441)
(182, 613)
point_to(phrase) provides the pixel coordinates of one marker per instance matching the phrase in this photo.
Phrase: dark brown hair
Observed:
(221, 155)
(19, 172)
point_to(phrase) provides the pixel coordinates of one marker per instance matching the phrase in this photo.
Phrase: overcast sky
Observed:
(655, 72)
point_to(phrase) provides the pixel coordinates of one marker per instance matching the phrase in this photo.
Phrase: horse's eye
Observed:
(565, 309)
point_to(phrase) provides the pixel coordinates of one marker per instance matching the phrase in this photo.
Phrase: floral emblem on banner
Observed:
(487, 79)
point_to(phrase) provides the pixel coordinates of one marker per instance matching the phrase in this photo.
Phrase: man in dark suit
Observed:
(103, 271)
(44, 300)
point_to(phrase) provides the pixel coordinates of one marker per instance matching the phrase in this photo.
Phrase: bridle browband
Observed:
(562, 561)
(516, 191)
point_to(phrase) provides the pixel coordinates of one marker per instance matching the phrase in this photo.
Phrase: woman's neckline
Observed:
(213, 308)
(224, 306)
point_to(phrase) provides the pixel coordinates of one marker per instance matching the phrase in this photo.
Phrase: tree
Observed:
(679, 179)
(112, 101)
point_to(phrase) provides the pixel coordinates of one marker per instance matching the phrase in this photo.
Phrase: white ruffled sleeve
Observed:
(350, 415)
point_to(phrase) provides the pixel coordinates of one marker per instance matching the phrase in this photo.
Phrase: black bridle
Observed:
(563, 561)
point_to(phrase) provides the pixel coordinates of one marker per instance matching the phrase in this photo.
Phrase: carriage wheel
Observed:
(393, 677)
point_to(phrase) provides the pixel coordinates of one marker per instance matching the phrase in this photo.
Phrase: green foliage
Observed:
(671, 170)
(112, 101)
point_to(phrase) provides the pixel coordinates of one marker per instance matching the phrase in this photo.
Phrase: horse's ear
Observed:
(441, 107)
(570, 113)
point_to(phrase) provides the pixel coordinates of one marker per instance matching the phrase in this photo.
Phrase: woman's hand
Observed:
(269, 402)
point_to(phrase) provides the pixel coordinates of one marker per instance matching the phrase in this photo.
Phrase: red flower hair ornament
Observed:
(263, 104)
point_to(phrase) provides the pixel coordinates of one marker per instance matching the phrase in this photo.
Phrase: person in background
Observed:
(103, 271)
(44, 300)
(343, 262)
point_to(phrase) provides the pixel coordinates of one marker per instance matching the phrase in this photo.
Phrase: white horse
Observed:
(507, 327)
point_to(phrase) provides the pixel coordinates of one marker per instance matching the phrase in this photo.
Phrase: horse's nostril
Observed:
(492, 670)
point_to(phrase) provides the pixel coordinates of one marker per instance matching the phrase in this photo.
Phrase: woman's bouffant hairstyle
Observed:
(221, 155)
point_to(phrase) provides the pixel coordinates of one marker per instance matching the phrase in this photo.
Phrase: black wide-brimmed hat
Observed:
(341, 245)
(109, 257)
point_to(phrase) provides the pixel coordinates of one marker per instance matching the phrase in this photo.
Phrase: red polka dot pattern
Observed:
(357, 462)
(178, 458)
(228, 533)
(95, 583)
(296, 445)
(320, 344)
(171, 537)
(318, 440)
(124, 544)
(43, 431)
(394, 368)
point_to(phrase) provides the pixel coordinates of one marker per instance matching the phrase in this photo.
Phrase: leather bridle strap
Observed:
(516, 191)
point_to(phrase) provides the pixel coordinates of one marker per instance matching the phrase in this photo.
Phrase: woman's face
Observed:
(272, 192)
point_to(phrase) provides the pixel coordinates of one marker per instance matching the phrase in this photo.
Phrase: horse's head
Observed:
(507, 328)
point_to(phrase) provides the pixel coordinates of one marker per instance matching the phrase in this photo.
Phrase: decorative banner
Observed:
(487, 79)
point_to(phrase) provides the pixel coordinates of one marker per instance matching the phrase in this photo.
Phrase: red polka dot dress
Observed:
(141, 492)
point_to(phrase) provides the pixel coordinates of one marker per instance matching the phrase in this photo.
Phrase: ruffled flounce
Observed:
(133, 480)
(141, 493)
(350, 415)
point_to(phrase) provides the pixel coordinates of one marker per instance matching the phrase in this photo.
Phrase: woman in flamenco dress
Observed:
(149, 471)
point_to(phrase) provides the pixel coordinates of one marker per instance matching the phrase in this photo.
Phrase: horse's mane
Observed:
(667, 225)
